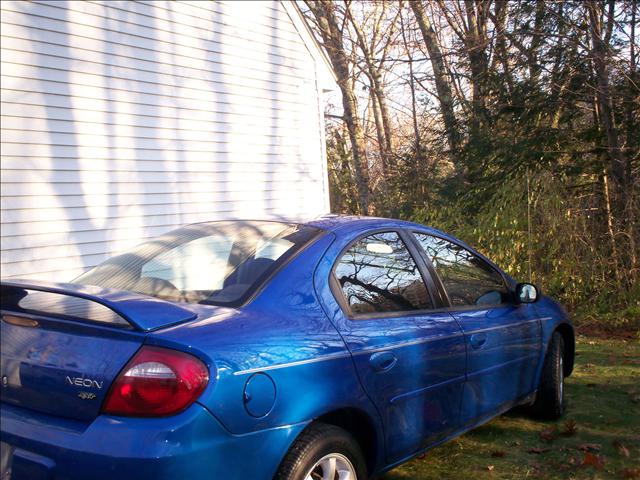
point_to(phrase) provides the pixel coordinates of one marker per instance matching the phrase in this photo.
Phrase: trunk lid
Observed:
(63, 345)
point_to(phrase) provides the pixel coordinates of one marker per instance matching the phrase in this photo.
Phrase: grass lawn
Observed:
(598, 438)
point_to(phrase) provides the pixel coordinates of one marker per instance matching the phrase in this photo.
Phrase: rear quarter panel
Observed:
(285, 334)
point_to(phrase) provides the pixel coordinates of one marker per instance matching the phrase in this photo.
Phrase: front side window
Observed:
(378, 274)
(468, 279)
(220, 263)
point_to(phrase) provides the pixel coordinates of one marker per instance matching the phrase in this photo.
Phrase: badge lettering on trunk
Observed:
(87, 395)
(84, 382)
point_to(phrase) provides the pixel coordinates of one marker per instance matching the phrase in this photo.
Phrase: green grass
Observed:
(603, 402)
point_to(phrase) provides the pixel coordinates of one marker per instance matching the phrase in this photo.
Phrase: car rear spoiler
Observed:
(139, 311)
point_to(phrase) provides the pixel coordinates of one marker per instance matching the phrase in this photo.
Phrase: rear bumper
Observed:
(191, 445)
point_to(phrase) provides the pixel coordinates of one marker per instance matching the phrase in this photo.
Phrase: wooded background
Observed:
(510, 124)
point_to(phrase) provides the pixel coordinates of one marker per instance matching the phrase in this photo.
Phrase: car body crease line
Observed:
(332, 356)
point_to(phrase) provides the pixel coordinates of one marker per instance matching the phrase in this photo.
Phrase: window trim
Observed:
(429, 283)
(450, 307)
(438, 286)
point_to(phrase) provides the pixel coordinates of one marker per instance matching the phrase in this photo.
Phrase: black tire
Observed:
(549, 402)
(316, 442)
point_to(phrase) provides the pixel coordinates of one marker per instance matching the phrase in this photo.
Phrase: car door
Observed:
(410, 360)
(503, 338)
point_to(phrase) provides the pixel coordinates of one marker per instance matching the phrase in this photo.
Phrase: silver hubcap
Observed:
(334, 466)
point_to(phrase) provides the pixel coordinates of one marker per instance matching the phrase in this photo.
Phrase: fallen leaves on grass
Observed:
(593, 460)
(549, 434)
(590, 447)
(498, 453)
(570, 428)
(537, 470)
(538, 450)
(631, 473)
(621, 448)
(562, 465)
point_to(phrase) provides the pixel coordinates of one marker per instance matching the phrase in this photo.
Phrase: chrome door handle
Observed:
(478, 340)
(383, 361)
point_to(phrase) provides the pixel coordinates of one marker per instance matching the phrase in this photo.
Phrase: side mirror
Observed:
(526, 293)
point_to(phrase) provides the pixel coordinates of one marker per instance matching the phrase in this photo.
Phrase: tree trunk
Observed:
(475, 43)
(377, 88)
(536, 41)
(500, 22)
(325, 16)
(441, 77)
(412, 88)
(617, 159)
(379, 130)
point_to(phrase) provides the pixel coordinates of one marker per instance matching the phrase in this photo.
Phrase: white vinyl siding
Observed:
(122, 120)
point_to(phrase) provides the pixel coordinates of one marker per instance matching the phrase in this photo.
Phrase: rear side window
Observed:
(378, 274)
(468, 279)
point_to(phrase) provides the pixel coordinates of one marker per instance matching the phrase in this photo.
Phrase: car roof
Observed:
(343, 223)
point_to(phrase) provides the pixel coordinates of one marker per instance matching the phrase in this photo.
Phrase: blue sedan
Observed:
(332, 349)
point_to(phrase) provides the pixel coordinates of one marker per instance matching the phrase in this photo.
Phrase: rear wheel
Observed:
(549, 402)
(323, 452)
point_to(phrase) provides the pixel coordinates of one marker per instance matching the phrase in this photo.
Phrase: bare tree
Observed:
(441, 76)
(546, 91)
(373, 71)
(332, 35)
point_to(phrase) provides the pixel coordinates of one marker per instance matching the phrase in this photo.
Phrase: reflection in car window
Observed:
(220, 263)
(467, 279)
(378, 274)
(189, 266)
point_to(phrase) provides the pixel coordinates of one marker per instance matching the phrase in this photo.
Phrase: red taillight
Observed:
(156, 382)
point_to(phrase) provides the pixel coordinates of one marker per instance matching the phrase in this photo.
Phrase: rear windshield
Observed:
(221, 263)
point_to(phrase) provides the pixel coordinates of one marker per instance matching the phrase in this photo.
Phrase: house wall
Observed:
(122, 120)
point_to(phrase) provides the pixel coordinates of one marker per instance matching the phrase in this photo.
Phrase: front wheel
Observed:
(549, 402)
(323, 452)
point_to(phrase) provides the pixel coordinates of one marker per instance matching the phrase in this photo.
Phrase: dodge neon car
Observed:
(332, 349)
